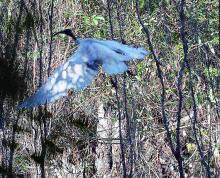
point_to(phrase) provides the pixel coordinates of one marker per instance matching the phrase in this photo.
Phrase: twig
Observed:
(118, 100)
(186, 62)
(51, 37)
(128, 120)
(160, 75)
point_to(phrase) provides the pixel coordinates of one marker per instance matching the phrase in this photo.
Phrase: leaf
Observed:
(95, 22)
(96, 19)
(211, 48)
(100, 18)
(190, 147)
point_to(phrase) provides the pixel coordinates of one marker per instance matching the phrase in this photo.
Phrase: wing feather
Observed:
(116, 68)
(71, 74)
(129, 52)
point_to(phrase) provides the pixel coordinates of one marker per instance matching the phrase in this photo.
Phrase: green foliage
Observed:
(140, 71)
(218, 147)
(33, 55)
(191, 147)
(114, 120)
(94, 22)
(212, 96)
(69, 14)
(200, 97)
(142, 4)
(96, 19)
(211, 72)
(22, 163)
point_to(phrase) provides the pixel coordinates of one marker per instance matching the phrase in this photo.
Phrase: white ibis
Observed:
(80, 69)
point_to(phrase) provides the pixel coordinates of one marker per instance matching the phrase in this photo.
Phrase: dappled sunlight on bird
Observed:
(81, 68)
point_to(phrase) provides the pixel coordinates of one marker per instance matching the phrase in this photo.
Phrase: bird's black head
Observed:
(66, 32)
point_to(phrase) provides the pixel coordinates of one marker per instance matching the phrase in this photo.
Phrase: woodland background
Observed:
(160, 119)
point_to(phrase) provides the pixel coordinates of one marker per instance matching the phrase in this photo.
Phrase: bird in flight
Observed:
(81, 67)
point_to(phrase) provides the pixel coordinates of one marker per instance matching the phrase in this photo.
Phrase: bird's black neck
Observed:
(72, 36)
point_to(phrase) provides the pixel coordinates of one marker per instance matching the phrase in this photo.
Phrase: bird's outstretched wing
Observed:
(125, 50)
(71, 74)
(113, 55)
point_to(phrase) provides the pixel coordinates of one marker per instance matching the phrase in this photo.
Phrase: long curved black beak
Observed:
(67, 32)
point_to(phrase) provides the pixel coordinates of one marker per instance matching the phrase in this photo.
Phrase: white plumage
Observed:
(80, 69)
